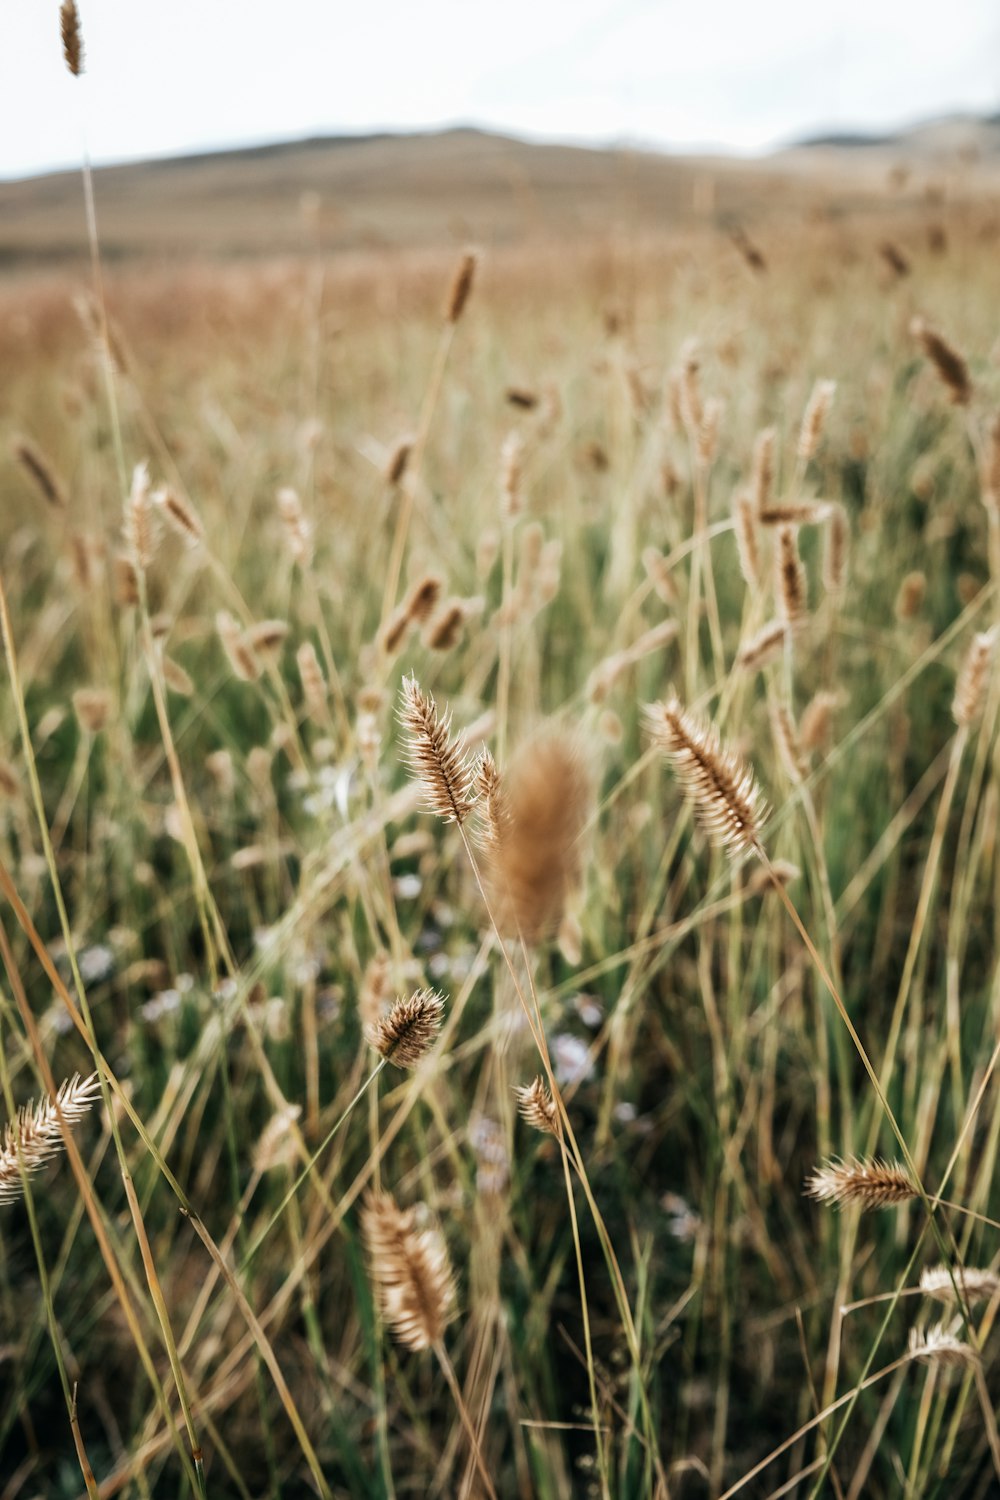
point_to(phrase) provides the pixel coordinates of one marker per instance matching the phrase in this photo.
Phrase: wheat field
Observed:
(498, 812)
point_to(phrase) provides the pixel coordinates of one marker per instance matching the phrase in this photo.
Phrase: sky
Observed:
(172, 76)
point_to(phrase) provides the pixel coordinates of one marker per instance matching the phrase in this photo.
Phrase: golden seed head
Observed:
(411, 1272)
(35, 1134)
(409, 1030)
(434, 760)
(461, 286)
(871, 1183)
(536, 1106)
(976, 1285)
(721, 787)
(949, 364)
(971, 682)
(941, 1346)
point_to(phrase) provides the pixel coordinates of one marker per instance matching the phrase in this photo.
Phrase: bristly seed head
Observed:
(721, 787)
(35, 1134)
(968, 698)
(536, 1106)
(871, 1184)
(410, 1270)
(72, 41)
(977, 1285)
(409, 1030)
(941, 1346)
(438, 765)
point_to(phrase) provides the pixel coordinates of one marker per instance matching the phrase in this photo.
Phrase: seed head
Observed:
(410, 1270)
(435, 761)
(409, 1030)
(872, 1184)
(721, 787)
(536, 1106)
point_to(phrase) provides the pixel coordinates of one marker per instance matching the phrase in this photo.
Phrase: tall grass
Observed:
(219, 885)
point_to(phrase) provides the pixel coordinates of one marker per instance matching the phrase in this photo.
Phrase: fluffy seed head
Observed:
(745, 523)
(720, 786)
(409, 1030)
(814, 418)
(422, 598)
(835, 551)
(140, 528)
(977, 1285)
(790, 579)
(312, 679)
(34, 1135)
(764, 646)
(762, 483)
(410, 1271)
(971, 682)
(398, 459)
(872, 1183)
(535, 1105)
(180, 515)
(298, 528)
(237, 648)
(535, 842)
(941, 1346)
(949, 364)
(487, 792)
(92, 707)
(444, 631)
(436, 763)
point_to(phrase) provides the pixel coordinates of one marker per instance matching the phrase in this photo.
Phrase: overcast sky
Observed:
(166, 76)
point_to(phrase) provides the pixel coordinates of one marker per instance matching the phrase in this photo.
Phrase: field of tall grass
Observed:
(610, 1113)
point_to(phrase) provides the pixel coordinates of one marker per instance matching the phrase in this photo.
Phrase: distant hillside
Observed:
(433, 189)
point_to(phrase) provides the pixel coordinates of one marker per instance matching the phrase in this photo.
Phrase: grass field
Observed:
(243, 500)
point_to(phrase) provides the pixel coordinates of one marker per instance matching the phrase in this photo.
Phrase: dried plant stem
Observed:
(411, 478)
(197, 1475)
(191, 1462)
(55, 1335)
(927, 887)
(263, 1343)
(602, 1457)
(448, 1371)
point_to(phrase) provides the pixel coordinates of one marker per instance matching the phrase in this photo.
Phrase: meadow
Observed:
(598, 496)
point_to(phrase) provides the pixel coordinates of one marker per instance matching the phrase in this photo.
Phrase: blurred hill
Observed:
(466, 184)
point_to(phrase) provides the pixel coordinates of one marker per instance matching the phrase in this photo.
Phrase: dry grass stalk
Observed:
(971, 682)
(37, 465)
(941, 1346)
(140, 529)
(817, 720)
(707, 440)
(745, 526)
(72, 40)
(176, 678)
(794, 513)
(461, 286)
(762, 480)
(790, 588)
(126, 582)
(871, 1184)
(491, 801)
(764, 646)
(910, 597)
(536, 859)
(398, 459)
(92, 707)
(409, 1030)
(266, 637)
(894, 258)
(241, 656)
(835, 551)
(276, 1146)
(691, 409)
(976, 1285)
(313, 681)
(444, 631)
(659, 574)
(35, 1133)
(434, 760)
(180, 515)
(786, 739)
(536, 1106)
(814, 418)
(716, 781)
(298, 530)
(422, 598)
(410, 1270)
(949, 364)
(511, 468)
